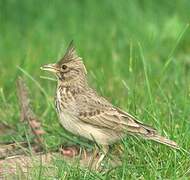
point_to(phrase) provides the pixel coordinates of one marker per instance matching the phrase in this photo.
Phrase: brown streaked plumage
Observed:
(83, 112)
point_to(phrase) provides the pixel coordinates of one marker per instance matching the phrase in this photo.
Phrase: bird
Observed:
(83, 112)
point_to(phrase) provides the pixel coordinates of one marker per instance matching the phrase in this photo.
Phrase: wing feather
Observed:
(97, 111)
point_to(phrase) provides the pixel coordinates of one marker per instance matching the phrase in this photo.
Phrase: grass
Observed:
(136, 53)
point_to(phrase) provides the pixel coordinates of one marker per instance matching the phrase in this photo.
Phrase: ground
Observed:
(136, 54)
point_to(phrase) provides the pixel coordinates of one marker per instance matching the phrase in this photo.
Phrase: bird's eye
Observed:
(64, 67)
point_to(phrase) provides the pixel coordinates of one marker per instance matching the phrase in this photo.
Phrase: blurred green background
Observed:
(136, 53)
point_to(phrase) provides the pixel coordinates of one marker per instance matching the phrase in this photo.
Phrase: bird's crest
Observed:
(70, 55)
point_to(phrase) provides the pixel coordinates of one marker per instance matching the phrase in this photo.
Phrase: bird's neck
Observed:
(77, 86)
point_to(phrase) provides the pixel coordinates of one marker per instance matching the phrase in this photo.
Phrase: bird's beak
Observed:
(50, 67)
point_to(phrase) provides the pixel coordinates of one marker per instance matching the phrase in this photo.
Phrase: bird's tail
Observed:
(134, 126)
(163, 140)
(152, 134)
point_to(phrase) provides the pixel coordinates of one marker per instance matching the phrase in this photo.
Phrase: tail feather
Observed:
(152, 134)
(163, 140)
(137, 127)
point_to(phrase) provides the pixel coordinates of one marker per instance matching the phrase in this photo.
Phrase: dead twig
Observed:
(27, 113)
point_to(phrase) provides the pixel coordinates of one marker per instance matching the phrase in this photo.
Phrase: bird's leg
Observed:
(93, 157)
(103, 151)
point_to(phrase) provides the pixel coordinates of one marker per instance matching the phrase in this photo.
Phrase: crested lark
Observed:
(83, 112)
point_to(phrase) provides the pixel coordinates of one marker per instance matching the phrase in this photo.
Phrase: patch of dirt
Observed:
(11, 165)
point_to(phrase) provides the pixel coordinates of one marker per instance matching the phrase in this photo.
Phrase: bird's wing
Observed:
(97, 111)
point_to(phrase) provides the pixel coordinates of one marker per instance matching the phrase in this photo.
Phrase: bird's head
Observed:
(68, 69)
